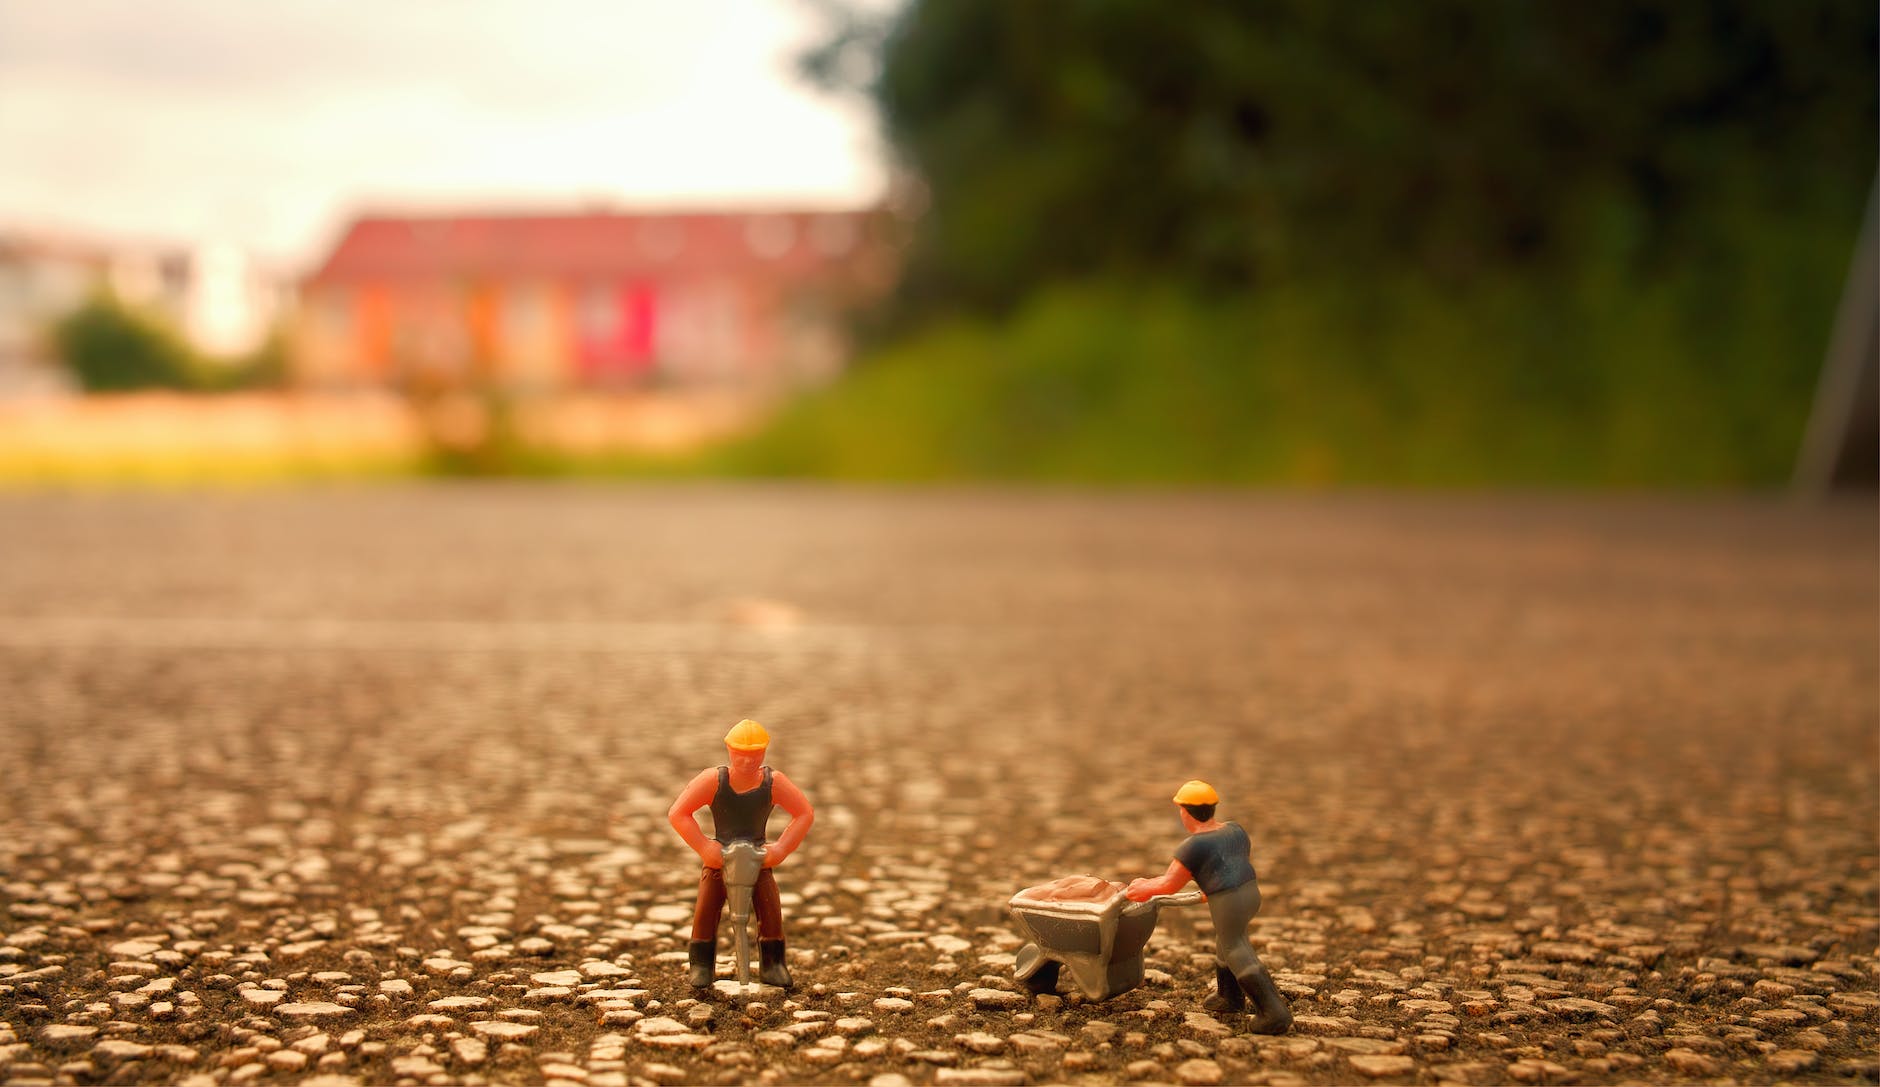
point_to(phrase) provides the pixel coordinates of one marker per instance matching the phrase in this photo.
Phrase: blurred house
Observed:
(219, 301)
(41, 280)
(749, 300)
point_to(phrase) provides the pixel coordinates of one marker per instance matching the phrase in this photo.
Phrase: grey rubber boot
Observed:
(770, 967)
(1228, 996)
(703, 955)
(1272, 1015)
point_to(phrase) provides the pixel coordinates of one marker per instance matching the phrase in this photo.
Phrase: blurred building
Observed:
(221, 303)
(41, 280)
(746, 299)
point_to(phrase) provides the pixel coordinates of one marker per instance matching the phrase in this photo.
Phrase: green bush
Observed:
(1587, 377)
(112, 348)
(264, 367)
(1280, 241)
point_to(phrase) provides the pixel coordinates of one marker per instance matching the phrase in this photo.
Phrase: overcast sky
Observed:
(266, 123)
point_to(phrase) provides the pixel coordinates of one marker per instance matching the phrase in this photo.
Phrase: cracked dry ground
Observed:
(337, 787)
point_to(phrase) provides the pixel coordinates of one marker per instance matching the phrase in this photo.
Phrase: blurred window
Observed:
(834, 235)
(65, 284)
(335, 309)
(769, 236)
(600, 317)
(661, 238)
(525, 310)
(175, 274)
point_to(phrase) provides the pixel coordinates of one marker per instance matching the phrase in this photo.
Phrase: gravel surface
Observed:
(369, 786)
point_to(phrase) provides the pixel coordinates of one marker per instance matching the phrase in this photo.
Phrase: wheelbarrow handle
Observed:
(1154, 902)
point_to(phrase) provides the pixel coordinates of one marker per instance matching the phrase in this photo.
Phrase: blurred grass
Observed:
(1599, 375)
(1609, 373)
(162, 438)
(195, 468)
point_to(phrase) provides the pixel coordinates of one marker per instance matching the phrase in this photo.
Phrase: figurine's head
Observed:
(1197, 800)
(745, 745)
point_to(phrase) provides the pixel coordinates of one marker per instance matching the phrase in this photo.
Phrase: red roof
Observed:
(607, 246)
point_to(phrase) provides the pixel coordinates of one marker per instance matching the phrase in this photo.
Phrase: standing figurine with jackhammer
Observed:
(1217, 856)
(741, 795)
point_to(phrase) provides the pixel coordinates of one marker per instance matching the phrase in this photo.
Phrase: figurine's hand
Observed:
(713, 855)
(774, 856)
(1139, 890)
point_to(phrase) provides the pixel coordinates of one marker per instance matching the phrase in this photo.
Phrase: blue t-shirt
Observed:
(1220, 859)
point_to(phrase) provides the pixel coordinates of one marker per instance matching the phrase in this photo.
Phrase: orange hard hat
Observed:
(747, 735)
(1197, 792)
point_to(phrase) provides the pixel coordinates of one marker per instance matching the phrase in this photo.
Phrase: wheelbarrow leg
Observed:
(1123, 975)
(1093, 977)
(1039, 974)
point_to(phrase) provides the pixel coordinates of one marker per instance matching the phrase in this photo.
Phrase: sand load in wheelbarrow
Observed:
(1086, 923)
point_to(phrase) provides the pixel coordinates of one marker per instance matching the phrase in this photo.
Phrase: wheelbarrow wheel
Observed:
(1039, 974)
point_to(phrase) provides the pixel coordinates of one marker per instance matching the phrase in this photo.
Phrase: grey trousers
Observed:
(1231, 911)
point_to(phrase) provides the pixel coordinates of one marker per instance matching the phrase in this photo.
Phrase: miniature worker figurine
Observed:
(1217, 856)
(741, 795)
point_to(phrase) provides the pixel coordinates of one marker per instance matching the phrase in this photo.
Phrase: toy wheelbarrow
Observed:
(1101, 941)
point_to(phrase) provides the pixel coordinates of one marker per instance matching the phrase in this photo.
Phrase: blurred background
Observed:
(1607, 244)
(1257, 390)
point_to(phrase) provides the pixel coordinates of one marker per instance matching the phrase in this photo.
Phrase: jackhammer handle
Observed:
(743, 860)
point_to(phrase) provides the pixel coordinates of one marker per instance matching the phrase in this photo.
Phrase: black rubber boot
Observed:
(770, 967)
(1272, 1015)
(1228, 996)
(704, 963)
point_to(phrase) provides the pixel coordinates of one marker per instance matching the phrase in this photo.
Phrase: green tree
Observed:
(1445, 242)
(1226, 142)
(112, 348)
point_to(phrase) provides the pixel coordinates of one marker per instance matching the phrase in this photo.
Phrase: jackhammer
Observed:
(744, 862)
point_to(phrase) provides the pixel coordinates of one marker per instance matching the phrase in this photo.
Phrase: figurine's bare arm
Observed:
(791, 799)
(683, 817)
(1142, 890)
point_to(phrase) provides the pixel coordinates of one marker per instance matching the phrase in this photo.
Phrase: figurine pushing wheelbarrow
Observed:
(1099, 928)
(1217, 855)
(1087, 924)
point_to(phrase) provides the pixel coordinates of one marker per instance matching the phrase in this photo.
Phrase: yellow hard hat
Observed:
(1197, 792)
(747, 735)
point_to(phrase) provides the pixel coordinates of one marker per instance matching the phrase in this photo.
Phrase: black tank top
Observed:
(740, 816)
